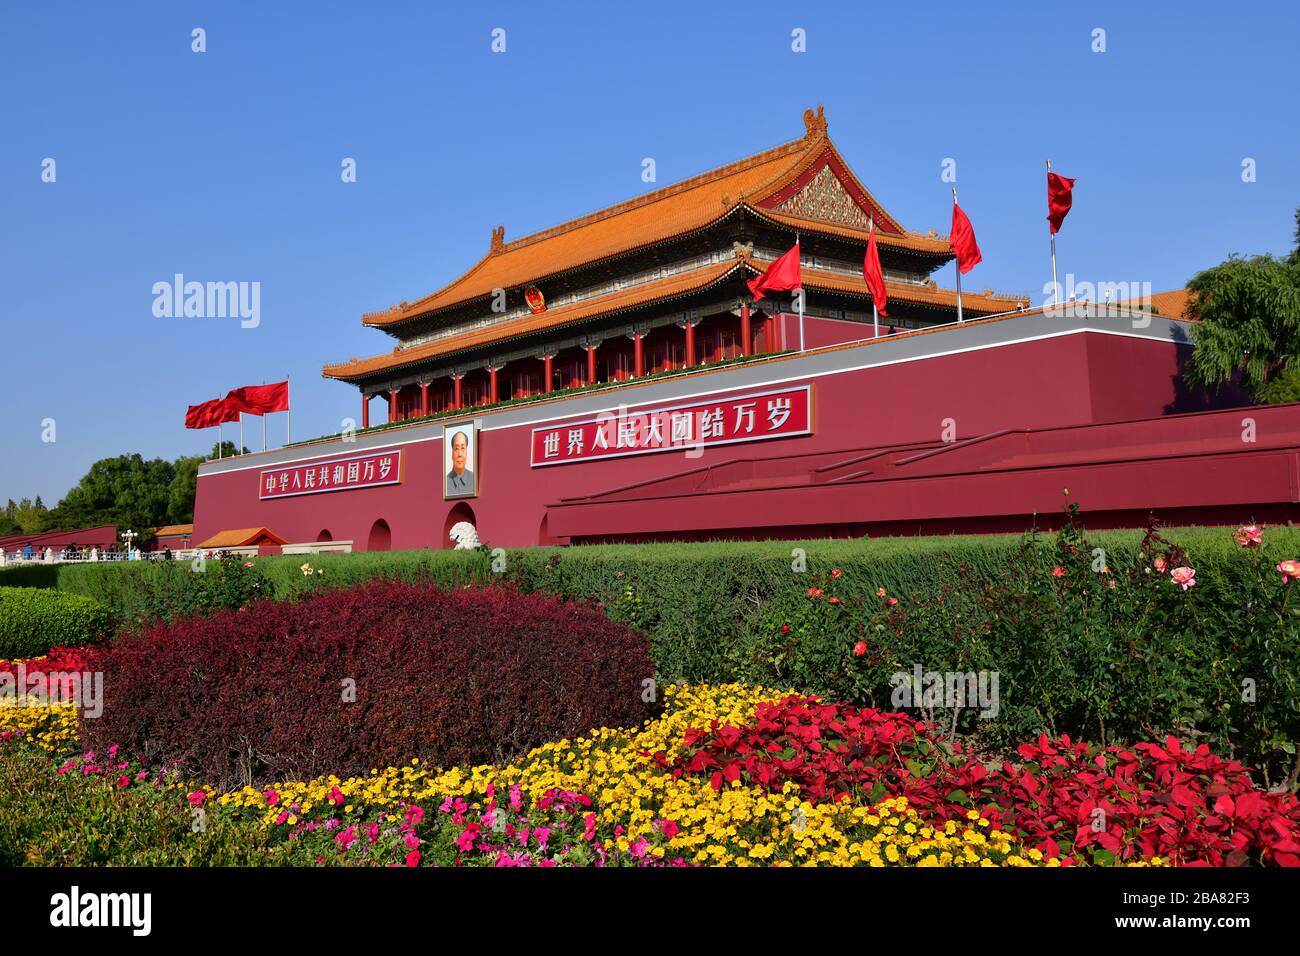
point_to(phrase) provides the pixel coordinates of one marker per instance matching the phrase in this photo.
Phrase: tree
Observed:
(26, 516)
(1249, 328)
(126, 491)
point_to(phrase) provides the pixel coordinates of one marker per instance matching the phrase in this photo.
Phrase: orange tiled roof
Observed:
(174, 529)
(657, 291)
(673, 211)
(1168, 305)
(660, 290)
(240, 538)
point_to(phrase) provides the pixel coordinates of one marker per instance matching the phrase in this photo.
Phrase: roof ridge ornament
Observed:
(814, 123)
(498, 240)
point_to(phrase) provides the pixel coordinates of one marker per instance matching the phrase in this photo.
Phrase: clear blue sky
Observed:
(225, 165)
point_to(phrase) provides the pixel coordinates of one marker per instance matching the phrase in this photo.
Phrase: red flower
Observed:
(413, 858)
(814, 592)
(834, 600)
(123, 782)
(836, 573)
(1058, 572)
(860, 648)
(197, 797)
(785, 628)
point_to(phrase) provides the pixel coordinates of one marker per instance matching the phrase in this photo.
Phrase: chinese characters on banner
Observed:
(368, 470)
(777, 414)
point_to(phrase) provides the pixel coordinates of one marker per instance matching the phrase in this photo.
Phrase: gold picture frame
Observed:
(465, 482)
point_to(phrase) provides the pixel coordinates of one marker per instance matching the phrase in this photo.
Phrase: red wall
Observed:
(1077, 378)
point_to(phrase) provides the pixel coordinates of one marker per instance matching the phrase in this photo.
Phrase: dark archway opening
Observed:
(459, 512)
(381, 537)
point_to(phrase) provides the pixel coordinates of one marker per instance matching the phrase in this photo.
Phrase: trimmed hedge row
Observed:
(33, 620)
(716, 611)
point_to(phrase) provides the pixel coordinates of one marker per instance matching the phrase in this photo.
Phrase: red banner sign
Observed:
(777, 414)
(368, 470)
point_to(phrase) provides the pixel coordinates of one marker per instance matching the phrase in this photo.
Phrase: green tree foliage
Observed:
(24, 517)
(1249, 326)
(127, 491)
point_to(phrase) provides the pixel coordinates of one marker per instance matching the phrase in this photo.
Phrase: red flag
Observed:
(1059, 199)
(260, 399)
(210, 414)
(781, 275)
(873, 274)
(963, 241)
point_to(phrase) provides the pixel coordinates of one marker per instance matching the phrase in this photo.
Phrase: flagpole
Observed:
(957, 263)
(799, 299)
(240, 450)
(1056, 288)
(288, 414)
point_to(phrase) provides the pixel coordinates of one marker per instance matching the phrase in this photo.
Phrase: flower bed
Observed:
(741, 776)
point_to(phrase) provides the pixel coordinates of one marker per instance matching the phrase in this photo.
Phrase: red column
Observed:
(424, 398)
(392, 404)
(546, 385)
(591, 364)
(365, 410)
(746, 336)
(690, 344)
(493, 393)
(638, 355)
(455, 391)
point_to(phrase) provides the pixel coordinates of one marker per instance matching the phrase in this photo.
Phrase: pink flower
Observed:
(892, 601)
(836, 573)
(123, 782)
(272, 798)
(669, 828)
(1058, 572)
(1290, 570)
(282, 818)
(880, 592)
(1159, 565)
(411, 841)
(413, 858)
(859, 648)
(516, 798)
(248, 564)
(1184, 576)
(639, 847)
(414, 815)
(835, 600)
(197, 798)
(336, 796)
(814, 592)
(1249, 536)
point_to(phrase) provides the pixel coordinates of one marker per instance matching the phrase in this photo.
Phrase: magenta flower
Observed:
(413, 858)
(197, 798)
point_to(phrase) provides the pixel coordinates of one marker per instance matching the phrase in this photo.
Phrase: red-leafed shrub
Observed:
(1066, 799)
(374, 676)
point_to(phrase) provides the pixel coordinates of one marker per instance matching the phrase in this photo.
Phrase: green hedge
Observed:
(715, 611)
(33, 620)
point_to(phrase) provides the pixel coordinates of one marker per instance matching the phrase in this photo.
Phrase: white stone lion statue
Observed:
(465, 535)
